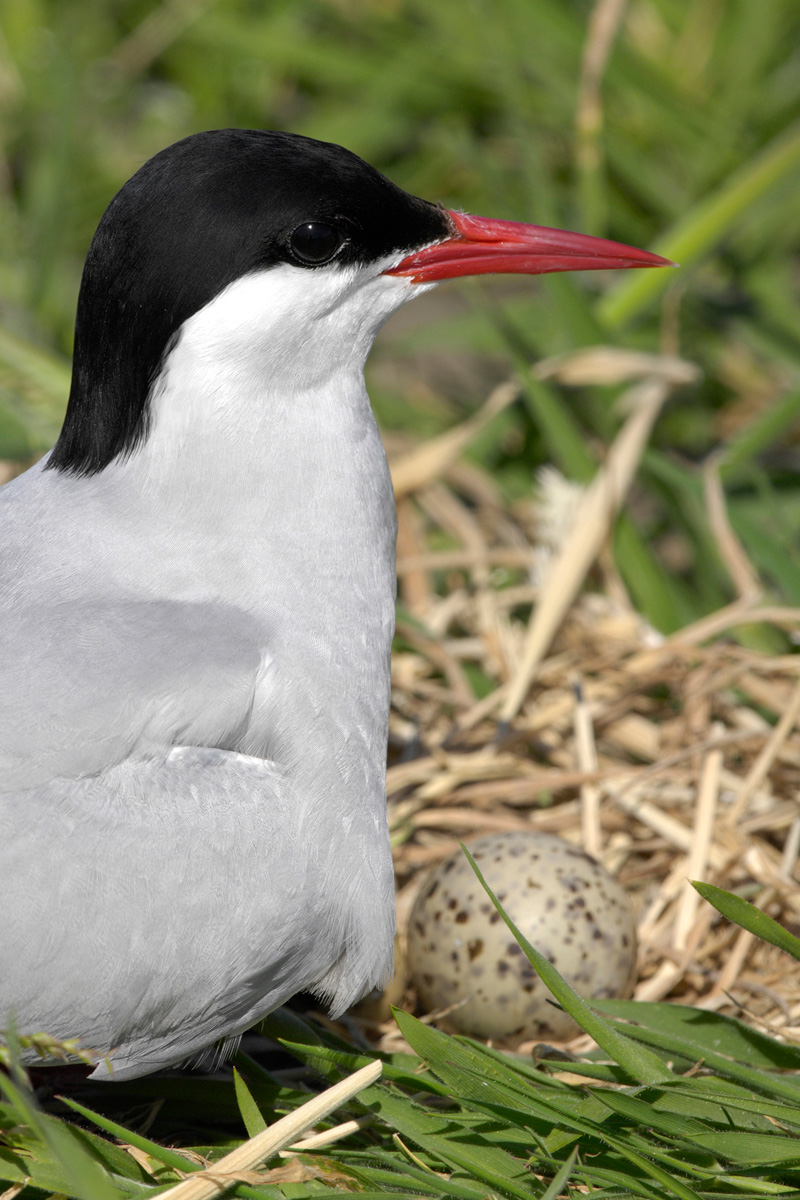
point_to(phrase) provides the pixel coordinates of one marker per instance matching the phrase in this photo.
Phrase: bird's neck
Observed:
(259, 479)
(280, 502)
(261, 483)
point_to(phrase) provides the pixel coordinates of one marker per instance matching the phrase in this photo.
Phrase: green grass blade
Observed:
(788, 1087)
(743, 913)
(162, 1154)
(655, 593)
(251, 1114)
(726, 1104)
(62, 1162)
(463, 1189)
(703, 1031)
(324, 1059)
(752, 1149)
(632, 1154)
(562, 436)
(641, 1113)
(704, 227)
(458, 1065)
(561, 1178)
(450, 1143)
(760, 433)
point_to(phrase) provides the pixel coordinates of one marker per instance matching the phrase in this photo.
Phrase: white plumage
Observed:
(197, 603)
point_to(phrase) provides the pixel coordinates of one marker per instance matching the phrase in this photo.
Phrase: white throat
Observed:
(269, 490)
(278, 351)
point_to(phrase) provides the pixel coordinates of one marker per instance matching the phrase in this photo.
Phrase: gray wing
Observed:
(87, 683)
(157, 907)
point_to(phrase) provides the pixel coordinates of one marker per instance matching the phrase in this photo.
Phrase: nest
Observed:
(667, 758)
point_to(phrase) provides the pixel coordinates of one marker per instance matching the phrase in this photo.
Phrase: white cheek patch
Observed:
(268, 337)
(290, 318)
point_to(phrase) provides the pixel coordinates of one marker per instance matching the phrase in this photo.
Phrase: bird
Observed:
(197, 605)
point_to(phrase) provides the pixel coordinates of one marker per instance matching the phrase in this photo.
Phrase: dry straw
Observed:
(670, 758)
(241, 1162)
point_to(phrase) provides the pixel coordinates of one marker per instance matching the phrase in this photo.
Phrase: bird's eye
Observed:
(315, 242)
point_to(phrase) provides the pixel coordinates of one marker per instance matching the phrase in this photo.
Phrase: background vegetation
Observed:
(673, 124)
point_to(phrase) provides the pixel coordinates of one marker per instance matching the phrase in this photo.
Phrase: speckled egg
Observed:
(566, 904)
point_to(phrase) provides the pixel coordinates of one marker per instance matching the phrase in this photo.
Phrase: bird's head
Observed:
(271, 253)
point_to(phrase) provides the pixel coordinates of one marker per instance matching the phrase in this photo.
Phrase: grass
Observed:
(675, 1102)
(673, 124)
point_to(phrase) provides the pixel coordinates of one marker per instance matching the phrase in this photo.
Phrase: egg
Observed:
(461, 952)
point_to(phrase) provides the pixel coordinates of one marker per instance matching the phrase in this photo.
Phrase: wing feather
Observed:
(87, 683)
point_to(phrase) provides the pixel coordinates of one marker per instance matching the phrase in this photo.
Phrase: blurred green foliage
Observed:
(685, 138)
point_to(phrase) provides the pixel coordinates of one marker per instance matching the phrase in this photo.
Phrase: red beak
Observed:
(482, 246)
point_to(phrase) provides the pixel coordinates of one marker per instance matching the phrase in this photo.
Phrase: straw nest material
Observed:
(668, 758)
